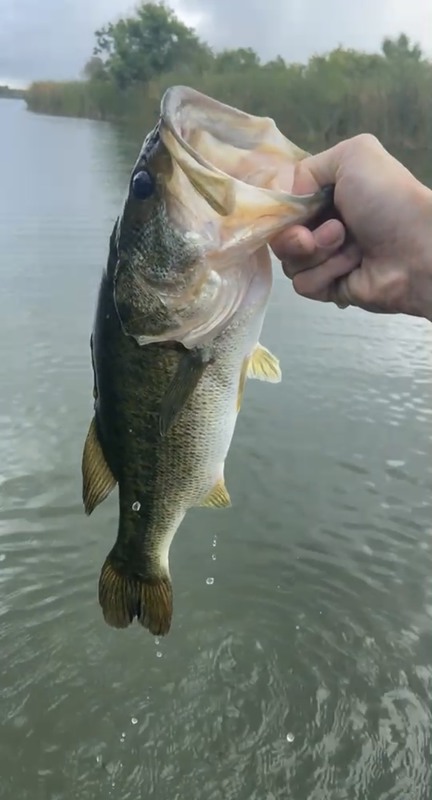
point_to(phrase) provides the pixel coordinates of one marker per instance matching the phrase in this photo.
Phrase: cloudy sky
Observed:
(54, 38)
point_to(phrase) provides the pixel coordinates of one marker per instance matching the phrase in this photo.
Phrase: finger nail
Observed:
(294, 243)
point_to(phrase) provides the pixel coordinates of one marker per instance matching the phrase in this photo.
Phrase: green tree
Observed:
(94, 69)
(233, 60)
(277, 63)
(401, 49)
(154, 41)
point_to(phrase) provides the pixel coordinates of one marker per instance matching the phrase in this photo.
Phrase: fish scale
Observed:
(179, 315)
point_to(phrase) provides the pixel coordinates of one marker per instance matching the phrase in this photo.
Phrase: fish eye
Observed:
(143, 185)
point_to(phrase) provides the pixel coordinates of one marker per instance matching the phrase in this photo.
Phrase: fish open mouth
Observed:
(223, 139)
(240, 164)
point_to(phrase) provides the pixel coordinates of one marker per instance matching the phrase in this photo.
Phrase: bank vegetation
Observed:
(332, 96)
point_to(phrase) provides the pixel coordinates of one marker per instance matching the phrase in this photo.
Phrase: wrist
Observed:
(419, 257)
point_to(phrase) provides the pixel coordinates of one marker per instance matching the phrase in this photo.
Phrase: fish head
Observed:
(210, 188)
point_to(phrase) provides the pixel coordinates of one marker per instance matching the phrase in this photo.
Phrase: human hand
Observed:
(380, 257)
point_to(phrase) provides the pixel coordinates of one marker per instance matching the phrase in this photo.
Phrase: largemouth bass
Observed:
(176, 335)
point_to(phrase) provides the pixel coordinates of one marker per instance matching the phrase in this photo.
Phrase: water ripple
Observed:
(302, 669)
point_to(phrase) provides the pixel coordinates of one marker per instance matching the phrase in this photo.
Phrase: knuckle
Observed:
(366, 141)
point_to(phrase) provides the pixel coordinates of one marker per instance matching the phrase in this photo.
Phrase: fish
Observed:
(176, 334)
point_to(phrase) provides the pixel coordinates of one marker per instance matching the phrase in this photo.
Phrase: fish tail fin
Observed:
(126, 595)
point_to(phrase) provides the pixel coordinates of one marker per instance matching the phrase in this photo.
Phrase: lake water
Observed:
(303, 669)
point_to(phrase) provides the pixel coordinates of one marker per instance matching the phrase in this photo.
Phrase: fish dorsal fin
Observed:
(264, 366)
(98, 480)
(218, 497)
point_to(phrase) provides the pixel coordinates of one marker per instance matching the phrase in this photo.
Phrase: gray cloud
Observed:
(51, 38)
(54, 38)
(295, 29)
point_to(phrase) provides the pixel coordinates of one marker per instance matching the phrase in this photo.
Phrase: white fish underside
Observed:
(207, 422)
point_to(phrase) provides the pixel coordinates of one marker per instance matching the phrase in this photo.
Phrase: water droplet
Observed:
(213, 557)
(297, 627)
(99, 760)
(123, 737)
(290, 737)
(2, 556)
(134, 720)
(136, 506)
(157, 640)
(209, 581)
(158, 654)
(214, 541)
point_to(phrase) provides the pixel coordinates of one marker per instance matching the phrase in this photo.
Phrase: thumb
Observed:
(316, 171)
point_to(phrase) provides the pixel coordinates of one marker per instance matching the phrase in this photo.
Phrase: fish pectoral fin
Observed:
(187, 376)
(218, 497)
(98, 480)
(264, 366)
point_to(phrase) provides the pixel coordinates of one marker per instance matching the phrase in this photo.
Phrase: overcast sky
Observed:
(54, 38)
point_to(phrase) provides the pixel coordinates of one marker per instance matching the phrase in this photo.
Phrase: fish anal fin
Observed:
(218, 497)
(264, 366)
(98, 480)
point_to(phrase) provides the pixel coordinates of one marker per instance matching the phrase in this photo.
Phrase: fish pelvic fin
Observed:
(98, 480)
(264, 366)
(123, 597)
(218, 497)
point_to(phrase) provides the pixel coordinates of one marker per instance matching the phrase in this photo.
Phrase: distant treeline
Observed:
(6, 91)
(318, 103)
